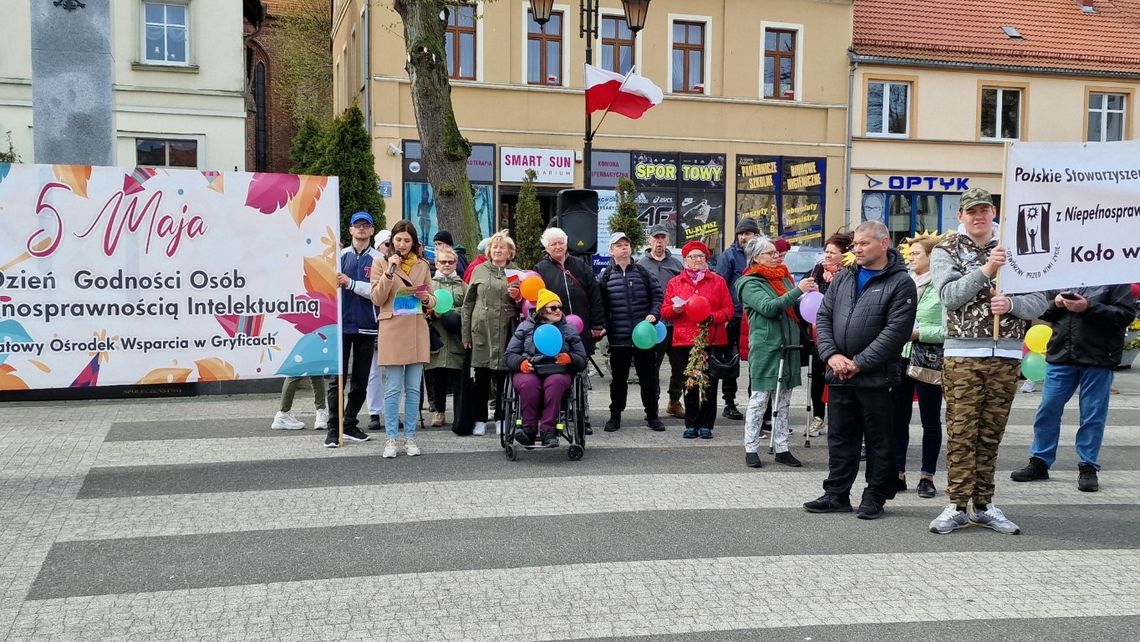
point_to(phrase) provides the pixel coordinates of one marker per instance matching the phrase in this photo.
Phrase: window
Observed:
(160, 152)
(688, 57)
(780, 64)
(460, 42)
(888, 108)
(544, 51)
(165, 31)
(261, 121)
(1001, 113)
(617, 45)
(1106, 117)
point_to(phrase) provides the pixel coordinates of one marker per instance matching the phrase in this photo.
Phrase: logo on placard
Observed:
(1034, 256)
(1033, 229)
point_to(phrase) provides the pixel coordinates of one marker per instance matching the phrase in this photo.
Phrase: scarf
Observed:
(921, 281)
(829, 271)
(696, 275)
(408, 262)
(775, 276)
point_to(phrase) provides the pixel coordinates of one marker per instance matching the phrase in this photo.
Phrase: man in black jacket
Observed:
(866, 317)
(1088, 338)
(573, 281)
(631, 295)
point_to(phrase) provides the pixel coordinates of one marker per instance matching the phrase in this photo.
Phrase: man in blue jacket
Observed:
(730, 266)
(358, 328)
(631, 295)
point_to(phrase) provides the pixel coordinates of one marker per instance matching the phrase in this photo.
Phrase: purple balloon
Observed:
(575, 322)
(809, 306)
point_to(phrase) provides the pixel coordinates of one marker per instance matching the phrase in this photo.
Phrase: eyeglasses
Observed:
(770, 253)
(696, 257)
(442, 262)
(553, 308)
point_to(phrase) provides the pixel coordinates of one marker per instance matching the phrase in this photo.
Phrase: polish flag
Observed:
(631, 96)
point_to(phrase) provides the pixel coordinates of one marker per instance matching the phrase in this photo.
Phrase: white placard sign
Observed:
(140, 276)
(1071, 215)
(554, 166)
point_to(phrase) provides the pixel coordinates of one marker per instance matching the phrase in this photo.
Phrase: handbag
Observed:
(435, 340)
(925, 363)
(724, 364)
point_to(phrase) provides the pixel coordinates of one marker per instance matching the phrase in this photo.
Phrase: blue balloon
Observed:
(548, 340)
(661, 331)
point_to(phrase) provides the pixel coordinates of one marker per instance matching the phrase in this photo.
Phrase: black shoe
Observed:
(1086, 480)
(331, 440)
(523, 437)
(926, 488)
(613, 424)
(355, 434)
(589, 430)
(730, 412)
(1034, 470)
(788, 459)
(550, 439)
(900, 484)
(828, 503)
(374, 422)
(869, 509)
(752, 460)
(655, 425)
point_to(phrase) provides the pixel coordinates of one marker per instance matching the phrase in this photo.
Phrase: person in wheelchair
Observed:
(539, 380)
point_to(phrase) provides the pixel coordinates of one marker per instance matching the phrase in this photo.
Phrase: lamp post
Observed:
(635, 13)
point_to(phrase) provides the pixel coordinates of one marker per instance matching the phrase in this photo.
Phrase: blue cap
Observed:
(360, 216)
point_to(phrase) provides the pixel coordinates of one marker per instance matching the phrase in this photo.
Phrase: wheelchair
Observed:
(571, 424)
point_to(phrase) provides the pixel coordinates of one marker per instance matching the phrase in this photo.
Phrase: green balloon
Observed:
(1033, 366)
(443, 301)
(644, 335)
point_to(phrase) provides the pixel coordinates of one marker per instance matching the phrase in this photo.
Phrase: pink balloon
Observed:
(575, 322)
(809, 306)
(527, 308)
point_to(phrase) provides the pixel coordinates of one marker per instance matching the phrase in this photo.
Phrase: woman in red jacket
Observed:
(697, 278)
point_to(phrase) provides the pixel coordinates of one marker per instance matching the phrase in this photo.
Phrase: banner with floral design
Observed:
(127, 276)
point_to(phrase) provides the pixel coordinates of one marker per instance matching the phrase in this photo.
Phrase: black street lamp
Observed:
(635, 14)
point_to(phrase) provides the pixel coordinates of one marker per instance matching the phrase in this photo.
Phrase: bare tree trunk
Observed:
(445, 150)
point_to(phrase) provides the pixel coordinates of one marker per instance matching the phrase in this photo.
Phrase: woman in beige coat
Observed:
(401, 288)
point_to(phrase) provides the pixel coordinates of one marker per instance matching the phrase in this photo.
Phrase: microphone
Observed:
(392, 268)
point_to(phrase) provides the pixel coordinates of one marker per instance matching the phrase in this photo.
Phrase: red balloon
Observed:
(698, 308)
(1136, 290)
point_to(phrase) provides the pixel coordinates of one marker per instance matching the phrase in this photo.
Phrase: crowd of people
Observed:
(889, 326)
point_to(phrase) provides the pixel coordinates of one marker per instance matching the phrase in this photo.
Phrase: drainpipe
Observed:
(847, 163)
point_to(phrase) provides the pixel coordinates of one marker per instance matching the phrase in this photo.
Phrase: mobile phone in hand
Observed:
(1070, 296)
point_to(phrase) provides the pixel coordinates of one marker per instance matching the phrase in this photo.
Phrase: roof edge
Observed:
(981, 66)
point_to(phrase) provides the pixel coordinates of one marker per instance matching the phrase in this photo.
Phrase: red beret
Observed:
(695, 245)
(782, 245)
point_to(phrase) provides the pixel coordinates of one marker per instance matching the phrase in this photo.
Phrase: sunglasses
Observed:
(442, 262)
(553, 308)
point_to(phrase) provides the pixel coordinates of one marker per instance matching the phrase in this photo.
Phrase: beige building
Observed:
(941, 87)
(754, 119)
(179, 81)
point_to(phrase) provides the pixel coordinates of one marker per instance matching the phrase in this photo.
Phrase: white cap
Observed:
(617, 236)
(382, 237)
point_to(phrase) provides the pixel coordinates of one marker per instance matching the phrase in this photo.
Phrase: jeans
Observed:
(404, 379)
(676, 366)
(854, 415)
(642, 360)
(356, 351)
(1060, 383)
(929, 410)
(540, 398)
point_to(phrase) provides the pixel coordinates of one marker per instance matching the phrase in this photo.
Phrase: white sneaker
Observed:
(816, 427)
(411, 448)
(322, 419)
(480, 429)
(390, 449)
(993, 519)
(286, 421)
(1029, 386)
(949, 521)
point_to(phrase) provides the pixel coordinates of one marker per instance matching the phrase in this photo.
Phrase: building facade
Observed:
(753, 121)
(940, 88)
(178, 81)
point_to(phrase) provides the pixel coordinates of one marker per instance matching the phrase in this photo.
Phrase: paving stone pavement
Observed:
(188, 519)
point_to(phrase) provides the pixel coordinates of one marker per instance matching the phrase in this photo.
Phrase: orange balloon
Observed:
(531, 286)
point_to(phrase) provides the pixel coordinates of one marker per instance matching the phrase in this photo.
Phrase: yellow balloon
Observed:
(1037, 339)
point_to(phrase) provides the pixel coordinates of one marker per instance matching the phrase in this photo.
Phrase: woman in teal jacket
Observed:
(769, 298)
(929, 332)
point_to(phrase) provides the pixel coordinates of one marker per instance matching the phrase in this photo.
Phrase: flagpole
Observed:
(612, 100)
